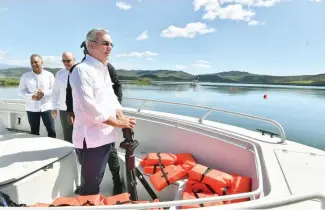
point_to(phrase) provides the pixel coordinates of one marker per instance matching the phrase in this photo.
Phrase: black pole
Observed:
(132, 172)
(129, 145)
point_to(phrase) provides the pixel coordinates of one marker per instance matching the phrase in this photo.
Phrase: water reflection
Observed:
(299, 110)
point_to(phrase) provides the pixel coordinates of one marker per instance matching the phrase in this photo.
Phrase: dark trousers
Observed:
(34, 119)
(67, 128)
(93, 164)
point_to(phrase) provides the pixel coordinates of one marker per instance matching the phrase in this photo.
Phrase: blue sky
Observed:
(276, 37)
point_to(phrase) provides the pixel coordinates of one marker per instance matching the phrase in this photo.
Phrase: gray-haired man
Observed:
(95, 107)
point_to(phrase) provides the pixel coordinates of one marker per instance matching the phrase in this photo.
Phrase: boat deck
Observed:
(288, 169)
(304, 172)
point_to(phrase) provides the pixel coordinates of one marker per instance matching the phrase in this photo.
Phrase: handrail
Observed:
(293, 199)
(268, 204)
(251, 195)
(210, 110)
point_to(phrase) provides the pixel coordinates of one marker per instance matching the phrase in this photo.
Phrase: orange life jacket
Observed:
(195, 195)
(40, 205)
(152, 169)
(65, 201)
(82, 200)
(87, 200)
(165, 159)
(217, 180)
(167, 176)
(123, 198)
(240, 184)
(185, 160)
(196, 186)
(93, 200)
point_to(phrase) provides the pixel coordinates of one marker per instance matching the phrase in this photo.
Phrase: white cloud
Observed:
(143, 36)
(145, 54)
(17, 62)
(48, 61)
(202, 64)
(202, 61)
(231, 12)
(255, 23)
(232, 9)
(266, 3)
(257, 3)
(189, 31)
(123, 6)
(3, 54)
(317, 1)
(52, 61)
(205, 3)
(242, 2)
(180, 67)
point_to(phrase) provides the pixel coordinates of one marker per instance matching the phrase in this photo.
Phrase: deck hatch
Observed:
(304, 172)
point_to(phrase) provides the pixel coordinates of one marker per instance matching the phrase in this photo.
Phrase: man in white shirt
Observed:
(36, 88)
(97, 111)
(59, 95)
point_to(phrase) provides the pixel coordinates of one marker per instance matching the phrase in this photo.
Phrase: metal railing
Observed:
(210, 110)
(294, 199)
(261, 204)
(200, 119)
(252, 195)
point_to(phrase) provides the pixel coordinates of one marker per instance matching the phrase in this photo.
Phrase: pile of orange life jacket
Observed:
(166, 168)
(93, 200)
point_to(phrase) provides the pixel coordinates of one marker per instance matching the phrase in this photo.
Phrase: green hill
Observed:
(17, 72)
(221, 77)
(157, 75)
(234, 75)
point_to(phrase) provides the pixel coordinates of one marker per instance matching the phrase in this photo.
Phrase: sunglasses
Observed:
(66, 61)
(105, 43)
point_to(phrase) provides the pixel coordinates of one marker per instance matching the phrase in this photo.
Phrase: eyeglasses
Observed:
(105, 43)
(66, 61)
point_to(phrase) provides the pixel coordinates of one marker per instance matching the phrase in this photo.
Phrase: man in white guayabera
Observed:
(36, 88)
(59, 95)
(97, 111)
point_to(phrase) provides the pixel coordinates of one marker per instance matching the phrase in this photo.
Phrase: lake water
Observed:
(300, 110)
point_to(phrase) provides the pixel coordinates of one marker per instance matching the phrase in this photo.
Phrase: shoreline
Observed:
(212, 84)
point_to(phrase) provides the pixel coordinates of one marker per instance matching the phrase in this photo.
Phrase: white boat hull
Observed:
(224, 147)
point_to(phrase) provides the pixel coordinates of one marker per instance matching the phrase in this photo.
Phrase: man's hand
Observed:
(70, 118)
(40, 94)
(54, 113)
(36, 98)
(126, 122)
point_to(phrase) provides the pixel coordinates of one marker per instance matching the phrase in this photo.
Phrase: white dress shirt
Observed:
(29, 83)
(59, 90)
(94, 102)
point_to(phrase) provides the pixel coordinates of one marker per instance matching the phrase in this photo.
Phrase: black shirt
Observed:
(117, 87)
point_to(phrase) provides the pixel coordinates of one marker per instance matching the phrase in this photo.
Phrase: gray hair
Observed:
(91, 35)
(35, 55)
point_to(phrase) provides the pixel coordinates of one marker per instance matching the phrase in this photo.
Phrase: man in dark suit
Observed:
(113, 161)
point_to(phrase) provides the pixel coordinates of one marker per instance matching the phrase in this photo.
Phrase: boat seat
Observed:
(171, 192)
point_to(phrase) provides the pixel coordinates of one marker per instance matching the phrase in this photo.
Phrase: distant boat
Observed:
(195, 83)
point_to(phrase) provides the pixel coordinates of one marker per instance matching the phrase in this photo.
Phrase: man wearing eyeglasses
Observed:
(97, 111)
(113, 160)
(59, 95)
